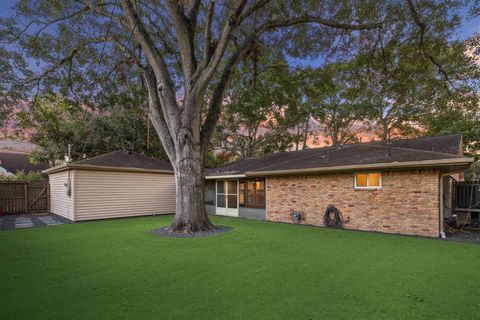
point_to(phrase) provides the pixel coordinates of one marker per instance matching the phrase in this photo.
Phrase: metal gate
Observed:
(466, 201)
(466, 195)
(24, 197)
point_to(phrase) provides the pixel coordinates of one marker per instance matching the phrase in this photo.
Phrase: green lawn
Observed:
(260, 270)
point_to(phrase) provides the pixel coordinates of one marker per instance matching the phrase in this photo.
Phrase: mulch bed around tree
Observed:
(164, 232)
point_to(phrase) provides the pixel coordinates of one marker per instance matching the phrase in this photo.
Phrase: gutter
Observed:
(385, 165)
(227, 176)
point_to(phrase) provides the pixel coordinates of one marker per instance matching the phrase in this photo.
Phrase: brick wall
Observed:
(408, 202)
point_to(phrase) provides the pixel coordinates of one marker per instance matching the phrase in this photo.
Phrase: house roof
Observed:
(441, 151)
(13, 146)
(13, 162)
(451, 144)
(118, 161)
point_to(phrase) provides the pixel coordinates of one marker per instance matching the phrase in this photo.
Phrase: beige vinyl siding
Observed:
(108, 194)
(60, 203)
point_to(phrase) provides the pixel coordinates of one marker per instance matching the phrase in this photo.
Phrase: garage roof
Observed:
(118, 161)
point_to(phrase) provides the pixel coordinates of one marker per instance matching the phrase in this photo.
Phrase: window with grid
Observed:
(252, 193)
(368, 180)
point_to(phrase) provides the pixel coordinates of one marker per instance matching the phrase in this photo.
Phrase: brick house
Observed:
(393, 187)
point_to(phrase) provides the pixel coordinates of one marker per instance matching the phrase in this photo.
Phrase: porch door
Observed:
(227, 198)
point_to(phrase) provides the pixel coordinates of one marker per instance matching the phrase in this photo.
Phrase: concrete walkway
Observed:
(22, 221)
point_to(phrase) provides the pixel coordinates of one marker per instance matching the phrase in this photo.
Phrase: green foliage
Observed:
(457, 119)
(263, 97)
(213, 160)
(394, 91)
(121, 124)
(21, 176)
(334, 95)
(474, 173)
(394, 79)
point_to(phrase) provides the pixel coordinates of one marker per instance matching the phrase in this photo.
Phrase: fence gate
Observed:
(466, 202)
(24, 197)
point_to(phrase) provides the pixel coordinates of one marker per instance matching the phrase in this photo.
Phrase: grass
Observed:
(117, 270)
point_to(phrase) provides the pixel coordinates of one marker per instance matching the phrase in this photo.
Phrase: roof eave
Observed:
(461, 163)
(225, 176)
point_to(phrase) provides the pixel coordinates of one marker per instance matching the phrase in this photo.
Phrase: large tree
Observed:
(264, 101)
(121, 124)
(335, 96)
(186, 52)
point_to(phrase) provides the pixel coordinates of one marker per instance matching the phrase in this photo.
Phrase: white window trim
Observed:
(368, 178)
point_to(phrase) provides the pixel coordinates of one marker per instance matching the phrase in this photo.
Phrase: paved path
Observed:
(22, 221)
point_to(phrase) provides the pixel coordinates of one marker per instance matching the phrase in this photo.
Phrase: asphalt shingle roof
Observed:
(14, 162)
(421, 149)
(126, 159)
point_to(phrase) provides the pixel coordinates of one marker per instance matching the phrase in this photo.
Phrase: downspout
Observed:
(74, 195)
(441, 203)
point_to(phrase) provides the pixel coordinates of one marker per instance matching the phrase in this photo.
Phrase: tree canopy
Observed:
(185, 54)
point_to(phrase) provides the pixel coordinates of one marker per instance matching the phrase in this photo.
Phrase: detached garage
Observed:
(113, 185)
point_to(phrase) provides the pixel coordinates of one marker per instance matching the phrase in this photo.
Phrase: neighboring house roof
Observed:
(118, 161)
(443, 151)
(13, 162)
(17, 146)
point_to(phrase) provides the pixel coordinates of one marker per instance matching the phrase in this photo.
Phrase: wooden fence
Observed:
(24, 197)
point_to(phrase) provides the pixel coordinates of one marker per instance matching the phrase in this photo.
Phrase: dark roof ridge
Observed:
(375, 142)
(100, 156)
(416, 150)
(336, 148)
(340, 146)
(417, 138)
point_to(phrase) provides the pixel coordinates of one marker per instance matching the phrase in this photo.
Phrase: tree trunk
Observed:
(190, 214)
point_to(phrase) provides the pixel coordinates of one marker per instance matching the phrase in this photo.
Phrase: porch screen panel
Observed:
(232, 194)
(221, 194)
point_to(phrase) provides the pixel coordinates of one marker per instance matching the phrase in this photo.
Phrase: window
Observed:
(368, 180)
(241, 195)
(252, 193)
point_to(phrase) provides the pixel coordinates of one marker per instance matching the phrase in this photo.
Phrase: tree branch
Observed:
(99, 10)
(230, 24)
(66, 59)
(165, 85)
(421, 43)
(185, 31)
(207, 34)
(283, 23)
(216, 100)
(254, 7)
(156, 114)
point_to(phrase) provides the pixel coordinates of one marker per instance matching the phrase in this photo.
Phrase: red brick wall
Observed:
(408, 202)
